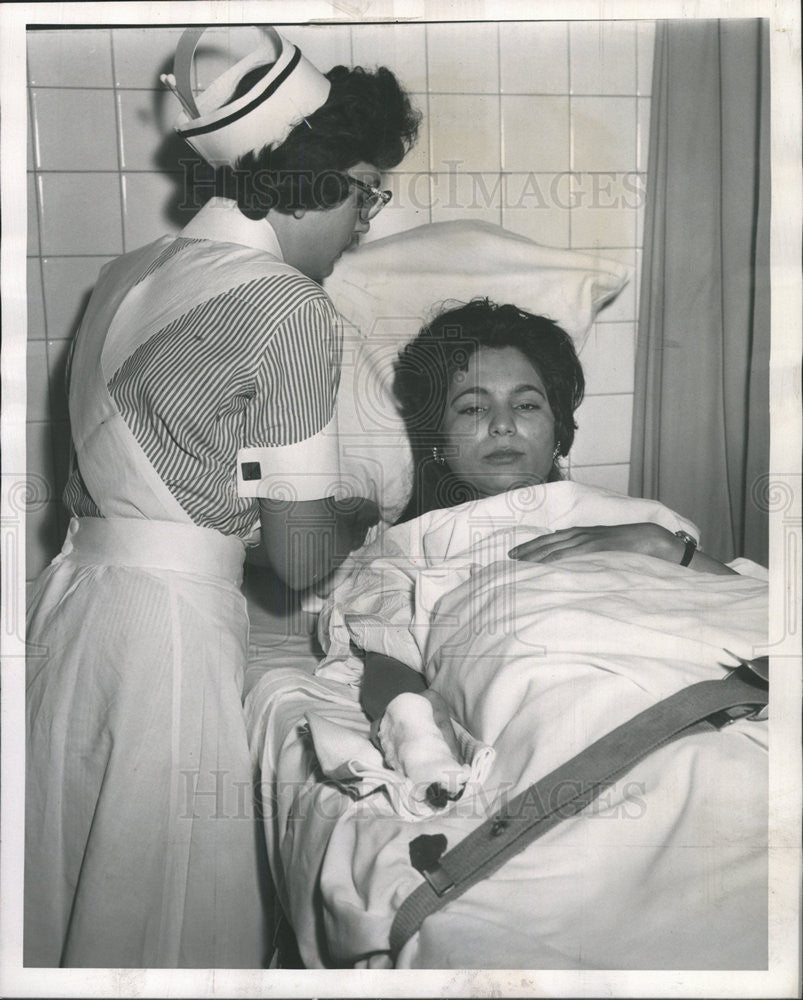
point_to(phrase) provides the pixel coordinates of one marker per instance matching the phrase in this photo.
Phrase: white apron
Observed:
(141, 845)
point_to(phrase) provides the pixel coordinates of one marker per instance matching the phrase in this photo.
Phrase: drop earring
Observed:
(556, 453)
(437, 457)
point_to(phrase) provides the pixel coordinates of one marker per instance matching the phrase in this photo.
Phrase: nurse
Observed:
(202, 393)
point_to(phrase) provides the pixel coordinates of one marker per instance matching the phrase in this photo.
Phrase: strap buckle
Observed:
(756, 673)
(438, 879)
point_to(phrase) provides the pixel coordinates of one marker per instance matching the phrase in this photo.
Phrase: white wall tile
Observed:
(464, 128)
(604, 212)
(33, 245)
(645, 47)
(534, 57)
(603, 57)
(411, 191)
(325, 45)
(69, 57)
(74, 129)
(81, 213)
(463, 58)
(603, 435)
(400, 47)
(535, 133)
(608, 358)
(608, 477)
(603, 133)
(142, 54)
(68, 282)
(538, 206)
(470, 192)
(151, 207)
(147, 139)
(38, 401)
(37, 329)
(474, 196)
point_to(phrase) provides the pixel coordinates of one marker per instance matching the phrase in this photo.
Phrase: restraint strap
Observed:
(568, 789)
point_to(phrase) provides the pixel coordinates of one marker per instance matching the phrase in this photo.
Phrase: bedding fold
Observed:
(666, 870)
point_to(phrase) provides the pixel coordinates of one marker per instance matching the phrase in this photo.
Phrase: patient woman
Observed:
(488, 393)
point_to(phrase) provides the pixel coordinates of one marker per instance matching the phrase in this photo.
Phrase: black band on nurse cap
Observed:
(242, 112)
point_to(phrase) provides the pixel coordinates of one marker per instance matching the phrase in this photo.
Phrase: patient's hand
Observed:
(645, 537)
(418, 740)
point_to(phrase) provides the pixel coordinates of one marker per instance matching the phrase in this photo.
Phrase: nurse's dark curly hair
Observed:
(425, 368)
(367, 117)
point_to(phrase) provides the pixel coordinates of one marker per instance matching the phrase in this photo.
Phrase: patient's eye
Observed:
(528, 405)
(472, 410)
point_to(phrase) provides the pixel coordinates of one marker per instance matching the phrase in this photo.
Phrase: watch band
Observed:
(691, 546)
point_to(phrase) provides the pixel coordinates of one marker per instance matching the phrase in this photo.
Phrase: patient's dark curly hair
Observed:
(426, 366)
(367, 118)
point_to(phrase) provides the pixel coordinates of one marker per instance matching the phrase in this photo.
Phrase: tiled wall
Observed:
(540, 127)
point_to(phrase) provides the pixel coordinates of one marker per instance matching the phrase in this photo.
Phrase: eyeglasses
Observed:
(373, 200)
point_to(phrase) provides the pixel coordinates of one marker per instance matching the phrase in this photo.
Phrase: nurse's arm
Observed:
(306, 539)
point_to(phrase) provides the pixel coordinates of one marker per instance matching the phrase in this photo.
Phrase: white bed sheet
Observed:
(666, 871)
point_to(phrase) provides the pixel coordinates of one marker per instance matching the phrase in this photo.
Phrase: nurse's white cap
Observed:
(220, 129)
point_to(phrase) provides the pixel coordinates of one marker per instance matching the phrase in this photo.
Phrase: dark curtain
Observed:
(701, 407)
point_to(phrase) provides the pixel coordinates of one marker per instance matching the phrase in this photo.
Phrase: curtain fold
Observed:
(701, 407)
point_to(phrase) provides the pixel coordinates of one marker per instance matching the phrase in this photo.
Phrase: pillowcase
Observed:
(387, 289)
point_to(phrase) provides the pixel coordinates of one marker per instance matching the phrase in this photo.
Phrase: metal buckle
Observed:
(438, 879)
(757, 673)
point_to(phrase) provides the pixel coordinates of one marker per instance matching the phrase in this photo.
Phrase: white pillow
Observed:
(385, 290)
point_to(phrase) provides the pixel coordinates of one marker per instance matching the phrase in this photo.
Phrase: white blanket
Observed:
(668, 869)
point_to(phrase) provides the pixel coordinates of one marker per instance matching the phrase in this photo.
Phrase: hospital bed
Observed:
(667, 869)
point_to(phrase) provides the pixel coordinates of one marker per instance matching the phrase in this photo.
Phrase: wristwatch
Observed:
(691, 546)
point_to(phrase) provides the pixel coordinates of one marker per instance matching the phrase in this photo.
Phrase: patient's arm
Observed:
(645, 537)
(385, 678)
(306, 540)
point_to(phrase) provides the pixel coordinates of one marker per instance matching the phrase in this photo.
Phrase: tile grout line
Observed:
(571, 127)
(118, 127)
(47, 418)
(430, 170)
(501, 137)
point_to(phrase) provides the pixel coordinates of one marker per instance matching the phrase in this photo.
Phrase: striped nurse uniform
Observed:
(142, 849)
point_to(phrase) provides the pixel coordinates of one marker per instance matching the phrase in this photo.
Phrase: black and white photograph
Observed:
(401, 499)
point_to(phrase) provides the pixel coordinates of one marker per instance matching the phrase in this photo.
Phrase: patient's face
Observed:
(498, 425)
